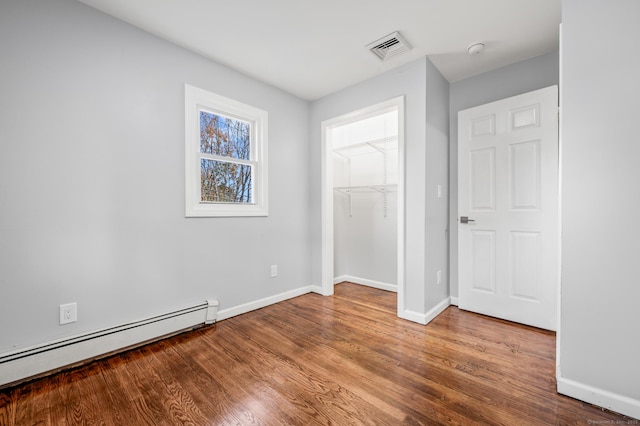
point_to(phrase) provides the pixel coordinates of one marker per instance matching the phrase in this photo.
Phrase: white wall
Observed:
(525, 76)
(599, 334)
(365, 243)
(365, 226)
(413, 81)
(92, 179)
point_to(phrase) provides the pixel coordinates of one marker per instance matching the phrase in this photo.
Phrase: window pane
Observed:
(224, 136)
(223, 182)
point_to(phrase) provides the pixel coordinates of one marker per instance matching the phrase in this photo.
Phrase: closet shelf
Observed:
(366, 188)
(380, 146)
(376, 145)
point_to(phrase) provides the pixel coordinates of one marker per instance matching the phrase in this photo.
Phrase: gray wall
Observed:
(437, 151)
(599, 337)
(92, 179)
(423, 128)
(525, 76)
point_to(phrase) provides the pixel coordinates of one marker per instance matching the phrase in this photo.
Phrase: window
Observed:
(225, 156)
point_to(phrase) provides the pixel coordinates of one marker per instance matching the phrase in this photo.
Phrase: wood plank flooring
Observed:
(339, 360)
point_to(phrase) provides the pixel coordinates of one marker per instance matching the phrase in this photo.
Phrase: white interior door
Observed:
(508, 249)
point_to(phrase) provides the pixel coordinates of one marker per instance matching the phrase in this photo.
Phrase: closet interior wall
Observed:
(365, 166)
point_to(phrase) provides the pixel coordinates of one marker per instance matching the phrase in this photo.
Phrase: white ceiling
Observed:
(315, 47)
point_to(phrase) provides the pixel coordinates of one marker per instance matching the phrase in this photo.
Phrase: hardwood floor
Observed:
(338, 360)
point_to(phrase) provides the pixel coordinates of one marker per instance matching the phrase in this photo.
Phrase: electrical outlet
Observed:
(439, 277)
(274, 271)
(68, 313)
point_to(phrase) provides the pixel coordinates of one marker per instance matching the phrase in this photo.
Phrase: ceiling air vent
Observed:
(389, 45)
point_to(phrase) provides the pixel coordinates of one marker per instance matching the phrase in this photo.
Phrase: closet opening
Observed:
(363, 198)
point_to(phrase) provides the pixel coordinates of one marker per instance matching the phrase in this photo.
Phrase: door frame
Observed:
(327, 190)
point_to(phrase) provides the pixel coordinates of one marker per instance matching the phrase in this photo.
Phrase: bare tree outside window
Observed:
(222, 180)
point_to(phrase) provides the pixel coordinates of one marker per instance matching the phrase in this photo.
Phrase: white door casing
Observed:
(508, 188)
(327, 285)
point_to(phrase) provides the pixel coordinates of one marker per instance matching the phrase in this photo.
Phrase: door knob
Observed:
(465, 219)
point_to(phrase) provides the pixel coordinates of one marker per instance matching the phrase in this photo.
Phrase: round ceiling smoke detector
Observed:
(475, 48)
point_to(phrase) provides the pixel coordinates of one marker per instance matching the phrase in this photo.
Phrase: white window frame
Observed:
(196, 100)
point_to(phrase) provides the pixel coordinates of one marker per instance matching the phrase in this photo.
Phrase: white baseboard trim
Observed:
(367, 282)
(414, 316)
(437, 310)
(600, 397)
(38, 360)
(454, 301)
(317, 289)
(252, 306)
(429, 316)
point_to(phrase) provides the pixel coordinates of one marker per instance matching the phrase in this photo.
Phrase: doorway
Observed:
(363, 178)
(508, 201)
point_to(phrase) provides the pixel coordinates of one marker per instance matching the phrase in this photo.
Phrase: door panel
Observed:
(508, 187)
(524, 179)
(482, 184)
(483, 126)
(483, 261)
(523, 117)
(525, 265)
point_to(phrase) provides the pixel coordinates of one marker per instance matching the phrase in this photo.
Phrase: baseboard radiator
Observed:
(32, 362)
